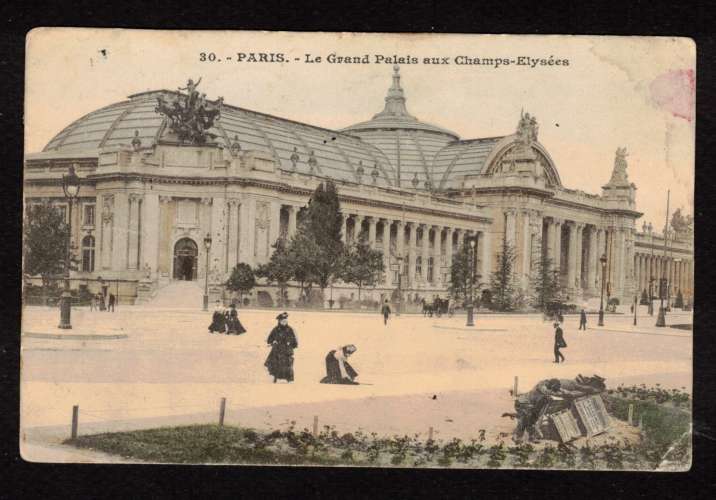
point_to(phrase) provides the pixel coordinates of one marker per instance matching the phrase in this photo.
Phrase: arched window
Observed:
(88, 254)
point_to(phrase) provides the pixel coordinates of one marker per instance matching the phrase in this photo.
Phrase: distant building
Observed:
(154, 187)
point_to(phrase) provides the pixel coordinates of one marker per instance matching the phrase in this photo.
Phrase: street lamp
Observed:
(650, 230)
(472, 241)
(603, 262)
(71, 188)
(207, 246)
(400, 285)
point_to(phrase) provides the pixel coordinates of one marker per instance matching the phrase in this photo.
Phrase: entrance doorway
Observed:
(185, 259)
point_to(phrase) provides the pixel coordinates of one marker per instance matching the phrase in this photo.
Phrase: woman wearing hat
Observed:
(234, 326)
(218, 320)
(338, 371)
(283, 341)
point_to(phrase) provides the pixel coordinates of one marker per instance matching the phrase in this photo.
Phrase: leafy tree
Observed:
(45, 236)
(280, 269)
(242, 279)
(502, 281)
(319, 236)
(545, 284)
(301, 251)
(460, 275)
(362, 265)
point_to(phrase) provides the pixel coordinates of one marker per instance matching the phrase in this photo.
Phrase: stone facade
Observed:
(414, 189)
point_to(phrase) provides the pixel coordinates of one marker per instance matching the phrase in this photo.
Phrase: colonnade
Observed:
(650, 267)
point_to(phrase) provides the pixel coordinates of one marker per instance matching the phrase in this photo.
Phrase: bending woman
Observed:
(338, 371)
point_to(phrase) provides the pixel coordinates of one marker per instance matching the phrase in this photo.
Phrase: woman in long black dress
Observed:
(338, 371)
(233, 325)
(218, 320)
(283, 341)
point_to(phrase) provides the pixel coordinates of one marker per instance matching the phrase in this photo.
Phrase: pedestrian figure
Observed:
(582, 320)
(558, 343)
(110, 306)
(233, 325)
(283, 341)
(338, 371)
(385, 310)
(100, 301)
(218, 320)
(93, 302)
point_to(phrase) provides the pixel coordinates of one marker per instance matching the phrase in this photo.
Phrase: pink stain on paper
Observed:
(675, 92)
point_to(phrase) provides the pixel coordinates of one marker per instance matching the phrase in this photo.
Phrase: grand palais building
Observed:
(149, 197)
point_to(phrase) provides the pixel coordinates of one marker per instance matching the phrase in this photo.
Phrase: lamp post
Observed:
(661, 318)
(400, 285)
(207, 246)
(603, 262)
(71, 188)
(472, 242)
(650, 230)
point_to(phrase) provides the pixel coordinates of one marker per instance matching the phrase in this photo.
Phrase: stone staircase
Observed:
(179, 295)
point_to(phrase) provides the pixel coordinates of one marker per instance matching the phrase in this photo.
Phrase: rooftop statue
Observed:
(527, 128)
(683, 226)
(619, 174)
(191, 115)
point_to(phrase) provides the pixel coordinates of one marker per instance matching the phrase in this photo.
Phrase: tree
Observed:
(242, 279)
(280, 269)
(502, 281)
(460, 274)
(362, 265)
(45, 235)
(545, 284)
(319, 236)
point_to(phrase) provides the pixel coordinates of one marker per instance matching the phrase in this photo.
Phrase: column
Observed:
(578, 257)
(572, 256)
(274, 224)
(247, 224)
(510, 227)
(357, 226)
(549, 244)
(218, 240)
(344, 228)
(425, 253)
(120, 238)
(386, 251)
(460, 239)
(593, 261)
(412, 252)
(133, 231)
(400, 238)
(485, 243)
(292, 220)
(526, 249)
(437, 255)
(167, 207)
(448, 252)
(557, 252)
(371, 231)
(150, 230)
(232, 233)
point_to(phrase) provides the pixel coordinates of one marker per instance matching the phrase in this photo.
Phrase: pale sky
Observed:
(635, 92)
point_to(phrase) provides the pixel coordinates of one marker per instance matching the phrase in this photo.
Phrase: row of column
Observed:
(678, 272)
(578, 260)
(419, 257)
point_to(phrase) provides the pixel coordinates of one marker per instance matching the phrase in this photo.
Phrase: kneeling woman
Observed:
(338, 371)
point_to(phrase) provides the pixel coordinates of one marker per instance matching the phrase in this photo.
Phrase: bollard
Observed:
(630, 418)
(315, 425)
(514, 389)
(222, 412)
(75, 420)
(430, 434)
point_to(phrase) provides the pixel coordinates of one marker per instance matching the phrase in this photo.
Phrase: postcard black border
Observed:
(590, 17)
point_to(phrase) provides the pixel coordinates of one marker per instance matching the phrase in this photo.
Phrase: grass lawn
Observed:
(665, 435)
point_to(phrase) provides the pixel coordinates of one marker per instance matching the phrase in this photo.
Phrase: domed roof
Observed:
(337, 155)
(395, 115)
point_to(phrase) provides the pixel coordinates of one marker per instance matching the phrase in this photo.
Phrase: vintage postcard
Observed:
(366, 250)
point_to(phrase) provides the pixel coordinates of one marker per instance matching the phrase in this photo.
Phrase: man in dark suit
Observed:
(558, 343)
(583, 320)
